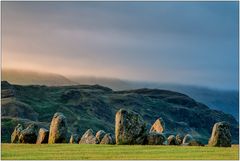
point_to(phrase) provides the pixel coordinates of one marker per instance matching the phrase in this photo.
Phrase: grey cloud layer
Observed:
(188, 42)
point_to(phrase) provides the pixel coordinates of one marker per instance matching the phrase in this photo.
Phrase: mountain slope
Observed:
(94, 106)
(224, 100)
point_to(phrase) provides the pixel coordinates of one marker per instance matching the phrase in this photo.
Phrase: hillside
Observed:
(25, 77)
(94, 106)
(223, 100)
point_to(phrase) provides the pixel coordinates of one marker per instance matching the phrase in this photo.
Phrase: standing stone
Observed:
(99, 135)
(187, 139)
(179, 138)
(16, 133)
(129, 128)
(29, 135)
(155, 138)
(88, 138)
(43, 135)
(58, 129)
(107, 139)
(158, 126)
(74, 139)
(221, 135)
(172, 140)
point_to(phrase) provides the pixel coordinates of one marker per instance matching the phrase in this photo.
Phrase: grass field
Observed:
(81, 151)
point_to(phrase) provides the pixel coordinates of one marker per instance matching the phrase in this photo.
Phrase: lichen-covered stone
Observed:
(99, 135)
(43, 135)
(187, 139)
(58, 129)
(107, 139)
(221, 136)
(88, 138)
(158, 126)
(74, 139)
(29, 135)
(172, 140)
(129, 128)
(16, 133)
(155, 138)
(179, 138)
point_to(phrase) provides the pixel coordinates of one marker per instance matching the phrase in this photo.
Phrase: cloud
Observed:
(190, 42)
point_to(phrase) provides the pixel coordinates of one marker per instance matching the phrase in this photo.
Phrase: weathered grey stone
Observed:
(155, 138)
(74, 139)
(158, 126)
(43, 135)
(16, 133)
(129, 128)
(58, 129)
(172, 140)
(179, 138)
(107, 139)
(187, 139)
(221, 136)
(99, 135)
(88, 138)
(29, 135)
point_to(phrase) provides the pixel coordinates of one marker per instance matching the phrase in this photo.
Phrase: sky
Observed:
(193, 43)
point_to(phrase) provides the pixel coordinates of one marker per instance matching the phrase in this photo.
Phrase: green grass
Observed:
(81, 151)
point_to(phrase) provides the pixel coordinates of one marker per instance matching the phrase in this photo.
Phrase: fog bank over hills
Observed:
(27, 77)
(224, 100)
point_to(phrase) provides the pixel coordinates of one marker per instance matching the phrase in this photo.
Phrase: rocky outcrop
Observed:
(88, 138)
(74, 139)
(158, 126)
(129, 128)
(58, 129)
(99, 135)
(187, 139)
(16, 133)
(43, 135)
(155, 138)
(172, 140)
(29, 135)
(221, 135)
(107, 139)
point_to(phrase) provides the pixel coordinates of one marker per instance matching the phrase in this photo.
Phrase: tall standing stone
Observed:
(43, 135)
(221, 135)
(158, 126)
(58, 129)
(129, 128)
(16, 133)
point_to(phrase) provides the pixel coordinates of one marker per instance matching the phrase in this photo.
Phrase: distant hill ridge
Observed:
(27, 77)
(226, 101)
(94, 106)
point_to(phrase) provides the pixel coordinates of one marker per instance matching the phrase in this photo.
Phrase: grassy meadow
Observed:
(114, 152)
